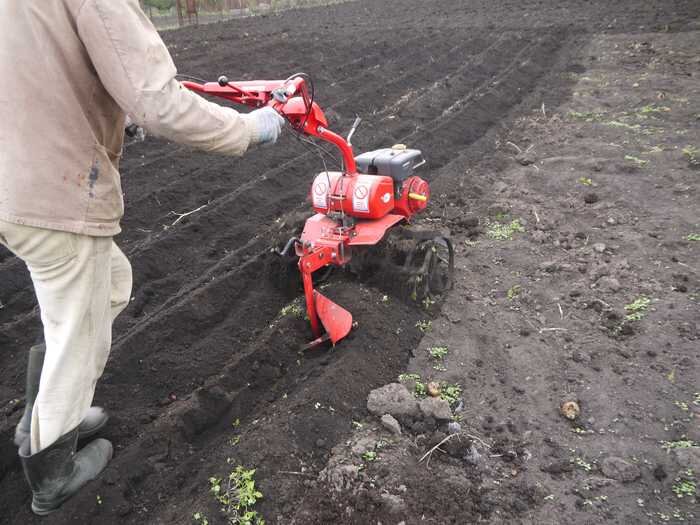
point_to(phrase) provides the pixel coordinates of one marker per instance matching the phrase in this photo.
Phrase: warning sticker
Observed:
(360, 197)
(320, 194)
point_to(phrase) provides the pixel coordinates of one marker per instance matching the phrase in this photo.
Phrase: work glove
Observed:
(267, 124)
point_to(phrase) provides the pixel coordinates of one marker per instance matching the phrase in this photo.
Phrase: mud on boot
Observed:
(95, 417)
(58, 472)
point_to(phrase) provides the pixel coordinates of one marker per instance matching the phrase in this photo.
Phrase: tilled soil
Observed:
(604, 188)
(205, 366)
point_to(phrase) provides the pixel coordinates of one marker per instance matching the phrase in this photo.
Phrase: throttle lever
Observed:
(353, 129)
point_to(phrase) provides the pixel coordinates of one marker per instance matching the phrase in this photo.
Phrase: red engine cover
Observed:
(362, 196)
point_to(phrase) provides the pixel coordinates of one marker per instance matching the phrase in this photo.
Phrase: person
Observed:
(72, 70)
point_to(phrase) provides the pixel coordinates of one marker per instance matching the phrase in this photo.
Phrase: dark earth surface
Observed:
(604, 95)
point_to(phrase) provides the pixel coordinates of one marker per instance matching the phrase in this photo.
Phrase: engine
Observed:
(385, 184)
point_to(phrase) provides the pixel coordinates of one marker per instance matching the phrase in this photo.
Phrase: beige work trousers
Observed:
(81, 283)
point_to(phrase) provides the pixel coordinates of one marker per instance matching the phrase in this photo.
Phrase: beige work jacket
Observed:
(70, 71)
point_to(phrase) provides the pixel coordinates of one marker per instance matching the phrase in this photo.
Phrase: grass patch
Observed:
(691, 152)
(653, 109)
(582, 464)
(420, 389)
(623, 125)
(200, 518)
(682, 405)
(450, 393)
(504, 232)
(586, 116)
(693, 237)
(513, 292)
(294, 309)
(681, 443)
(685, 484)
(424, 326)
(637, 309)
(370, 456)
(639, 162)
(438, 352)
(692, 155)
(238, 495)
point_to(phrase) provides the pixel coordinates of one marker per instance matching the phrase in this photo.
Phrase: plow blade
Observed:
(335, 319)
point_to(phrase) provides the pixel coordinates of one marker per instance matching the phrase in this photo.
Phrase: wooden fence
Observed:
(187, 12)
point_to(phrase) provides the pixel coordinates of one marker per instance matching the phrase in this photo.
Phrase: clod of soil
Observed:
(391, 424)
(620, 470)
(393, 399)
(590, 197)
(436, 408)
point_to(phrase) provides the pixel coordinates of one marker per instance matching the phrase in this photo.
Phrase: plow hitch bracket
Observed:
(336, 320)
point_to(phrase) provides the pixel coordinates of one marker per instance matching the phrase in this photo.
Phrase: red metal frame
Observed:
(252, 93)
(324, 241)
(290, 98)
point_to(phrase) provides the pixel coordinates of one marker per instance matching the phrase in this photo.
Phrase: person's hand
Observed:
(268, 124)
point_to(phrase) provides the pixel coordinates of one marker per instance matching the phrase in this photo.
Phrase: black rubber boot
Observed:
(94, 419)
(58, 472)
